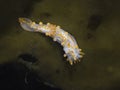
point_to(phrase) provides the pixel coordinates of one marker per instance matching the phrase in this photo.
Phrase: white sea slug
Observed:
(70, 47)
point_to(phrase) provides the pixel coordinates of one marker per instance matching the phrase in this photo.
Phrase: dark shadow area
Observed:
(12, 77)
(94, 22)
(28, 57)
(15, 76)
(90, 36)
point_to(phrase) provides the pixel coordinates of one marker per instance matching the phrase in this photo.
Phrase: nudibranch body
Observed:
(70, 46)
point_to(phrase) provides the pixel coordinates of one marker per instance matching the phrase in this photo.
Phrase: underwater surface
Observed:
(33, 61)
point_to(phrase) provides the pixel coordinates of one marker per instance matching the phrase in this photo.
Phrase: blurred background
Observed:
(31, 61)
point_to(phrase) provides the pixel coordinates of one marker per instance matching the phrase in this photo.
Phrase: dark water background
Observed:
(33, 61)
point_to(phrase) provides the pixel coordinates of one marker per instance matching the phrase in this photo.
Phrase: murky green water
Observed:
(94, 24)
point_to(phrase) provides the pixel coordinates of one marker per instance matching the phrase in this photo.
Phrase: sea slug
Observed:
(70, 46)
